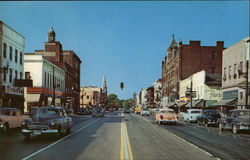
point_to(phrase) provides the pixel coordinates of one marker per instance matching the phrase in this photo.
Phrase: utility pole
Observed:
(54, 87)
(191, 93)
(247, 84)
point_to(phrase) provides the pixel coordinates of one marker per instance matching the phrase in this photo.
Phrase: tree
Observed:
(113, 100)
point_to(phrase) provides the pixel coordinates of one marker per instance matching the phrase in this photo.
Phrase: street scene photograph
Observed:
(125, 80)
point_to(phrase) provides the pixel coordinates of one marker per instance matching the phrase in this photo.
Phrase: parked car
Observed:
(33, 111)
(145, 112)
(84, 111)
(11, 118)
(47, 120)
(97, 112)
(209, 117)
(191, 115)
(235, 120)
(166, 116)
(126, 110)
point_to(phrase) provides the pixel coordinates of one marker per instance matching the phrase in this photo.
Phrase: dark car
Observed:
(126, 110)
(97, 112)
(47, 120)
(235, 120)
(84, 111)
(208, 117)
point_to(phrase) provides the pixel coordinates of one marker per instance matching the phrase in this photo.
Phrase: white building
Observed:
(11, 66)
(234, 74)
(48, 81)
(143, 96)
(205, 87)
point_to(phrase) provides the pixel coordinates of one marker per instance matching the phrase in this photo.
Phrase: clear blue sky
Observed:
(126, 41)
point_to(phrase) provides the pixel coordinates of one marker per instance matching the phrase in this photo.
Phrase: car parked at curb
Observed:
(47, 120)
(11, 118)
(165, 116)
(236, 120)
(191, 115)
(209, 117)
(97, 112)
(145, 112)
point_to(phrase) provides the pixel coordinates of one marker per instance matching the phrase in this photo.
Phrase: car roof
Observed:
(51, 107)
(194, 109)
(9, 108)
(166, 109)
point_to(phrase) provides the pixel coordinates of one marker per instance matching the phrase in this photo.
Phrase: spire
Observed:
(104, 86)
(173, 42)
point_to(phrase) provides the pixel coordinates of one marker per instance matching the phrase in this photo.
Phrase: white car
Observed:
(191, 115)
(145, 112)
(11, 118)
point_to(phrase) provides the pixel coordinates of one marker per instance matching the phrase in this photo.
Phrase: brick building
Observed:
(70, 62)
(150, 97)
(183, 60)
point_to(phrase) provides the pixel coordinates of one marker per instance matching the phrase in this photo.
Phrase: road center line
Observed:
(125, 150)
(47, 147)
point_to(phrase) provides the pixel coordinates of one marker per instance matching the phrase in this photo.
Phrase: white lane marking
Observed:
(43, 149)
(189, 143)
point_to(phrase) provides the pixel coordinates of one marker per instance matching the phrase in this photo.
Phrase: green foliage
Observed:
(113, 100)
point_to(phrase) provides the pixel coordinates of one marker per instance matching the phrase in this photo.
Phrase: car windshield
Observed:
(168, 111)
(212, 112)
(53, 111)
(195, 112)
(5, 112)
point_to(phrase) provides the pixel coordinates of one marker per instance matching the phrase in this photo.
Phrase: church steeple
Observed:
(104, 86)
(173, 42)
(51, 35)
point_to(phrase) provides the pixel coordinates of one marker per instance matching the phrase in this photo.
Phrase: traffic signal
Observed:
(122, 85)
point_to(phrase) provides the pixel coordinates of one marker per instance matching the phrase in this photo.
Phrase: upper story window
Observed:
(213, 55)
(229, 72)
(4, 50)
(16, 55)
(11, 53)
(45, 78)
(10, 75)
(4, 76)
(225, 74)
(21, 75)
(21, 58)
(15, 74)
(27, 75)
(213, 69)
(235, 70)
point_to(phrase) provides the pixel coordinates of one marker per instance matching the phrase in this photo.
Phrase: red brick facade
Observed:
(70, 62)
(183, 60)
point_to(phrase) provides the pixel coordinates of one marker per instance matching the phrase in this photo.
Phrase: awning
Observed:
(181, 104)
(195, 103)
(226, 102)
(170, 104)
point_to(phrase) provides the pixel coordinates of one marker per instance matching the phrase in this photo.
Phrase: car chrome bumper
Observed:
(210, 122)
(244, 127)
(37, 132)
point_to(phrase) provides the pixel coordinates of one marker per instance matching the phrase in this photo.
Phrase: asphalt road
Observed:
(117, 136)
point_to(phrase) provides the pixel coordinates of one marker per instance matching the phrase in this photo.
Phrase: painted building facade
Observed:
(90, 96)
(12, 45)
(48, 81)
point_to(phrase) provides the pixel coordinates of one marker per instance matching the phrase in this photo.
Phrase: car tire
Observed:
(235, 129)
(27, 137)
(221, 127)
(58, 134)
(68, 131)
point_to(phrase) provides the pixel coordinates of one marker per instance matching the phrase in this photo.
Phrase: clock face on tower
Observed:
(51, 36)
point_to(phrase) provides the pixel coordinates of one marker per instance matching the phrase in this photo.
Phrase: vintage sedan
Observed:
(235, 120)
(191, 115)
(11, 118)
(47, 120)
(209, 117)
(165, 116)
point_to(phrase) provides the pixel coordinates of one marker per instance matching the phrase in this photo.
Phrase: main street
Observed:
(127, 136)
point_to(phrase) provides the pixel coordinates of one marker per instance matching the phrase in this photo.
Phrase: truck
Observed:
(138, 110)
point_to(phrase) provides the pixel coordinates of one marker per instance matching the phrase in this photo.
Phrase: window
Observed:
(10, 53)
(4, 50)
(241, 95)
(213, 69)
(16, 55)
(213, 55)
(229, 72)
(235, 70)
(87, 97)
(45, 78)
(240, 68)
(15, 74)
(10, 75)
(48, 80)
(27, 75)
(21, 58)
(225, 73)
(21, 75)
(4, 76)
